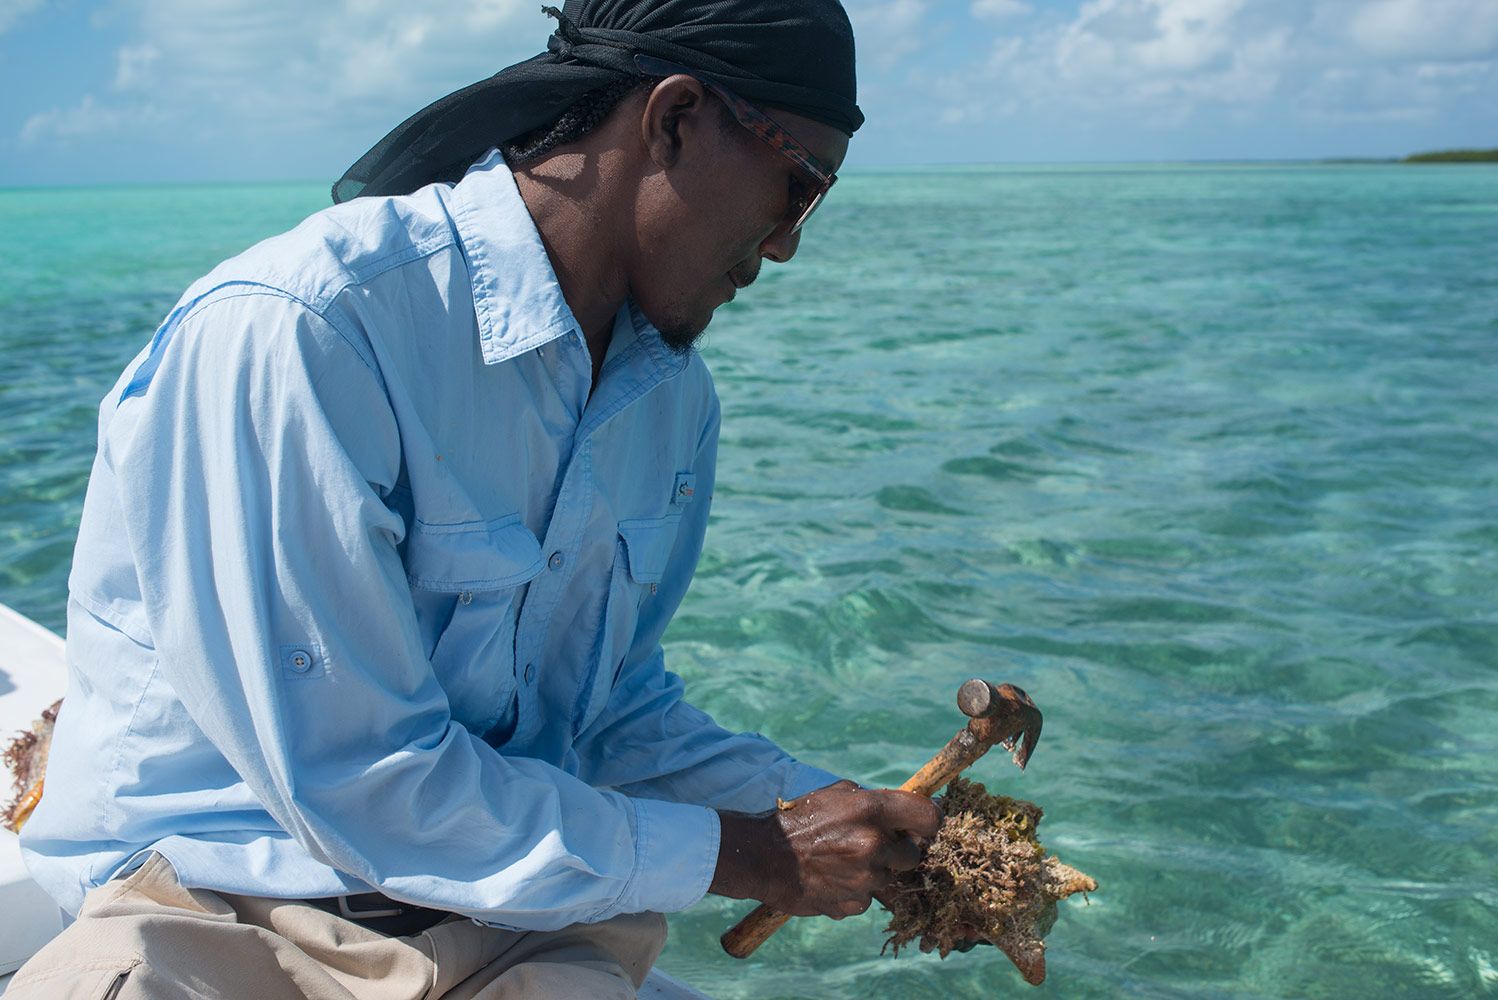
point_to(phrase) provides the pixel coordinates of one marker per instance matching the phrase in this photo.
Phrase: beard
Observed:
(681, 322)
(681, 338)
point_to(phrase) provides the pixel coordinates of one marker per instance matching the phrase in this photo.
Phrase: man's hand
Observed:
(827, 853)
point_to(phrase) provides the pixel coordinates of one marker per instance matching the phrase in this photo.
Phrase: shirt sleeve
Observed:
(648, 741)
(252, 470)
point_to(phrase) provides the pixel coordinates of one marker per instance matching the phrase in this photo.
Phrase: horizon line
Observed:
(1179, 162)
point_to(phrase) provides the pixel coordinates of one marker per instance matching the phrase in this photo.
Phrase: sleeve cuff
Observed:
(805, 779)
(676, 854)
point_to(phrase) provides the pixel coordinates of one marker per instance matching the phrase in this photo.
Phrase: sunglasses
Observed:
(762, 125)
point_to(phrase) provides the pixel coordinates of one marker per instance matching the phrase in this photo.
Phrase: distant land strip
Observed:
(1455, 156)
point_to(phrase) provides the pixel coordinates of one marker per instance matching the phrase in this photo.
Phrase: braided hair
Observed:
(583, 117)
(574, 123)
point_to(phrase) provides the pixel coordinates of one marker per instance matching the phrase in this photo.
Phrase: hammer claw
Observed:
(1010, 714)
(1026, 746)
(1028, 735)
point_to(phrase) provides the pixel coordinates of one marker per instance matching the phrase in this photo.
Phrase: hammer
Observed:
(1002, 715)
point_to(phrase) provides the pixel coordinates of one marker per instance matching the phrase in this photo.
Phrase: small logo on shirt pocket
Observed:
(684, 489)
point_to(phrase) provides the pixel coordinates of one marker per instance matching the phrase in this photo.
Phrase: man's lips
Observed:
(739, 279)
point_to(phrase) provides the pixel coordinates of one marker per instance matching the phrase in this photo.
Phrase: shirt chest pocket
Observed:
(641, 555)
(467, 583)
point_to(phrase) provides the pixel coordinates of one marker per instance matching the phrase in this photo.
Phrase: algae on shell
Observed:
(986, 873)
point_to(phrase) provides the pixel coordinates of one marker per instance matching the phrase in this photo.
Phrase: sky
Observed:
(252, 90)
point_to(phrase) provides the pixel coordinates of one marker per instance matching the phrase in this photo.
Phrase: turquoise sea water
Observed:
(1205, 458)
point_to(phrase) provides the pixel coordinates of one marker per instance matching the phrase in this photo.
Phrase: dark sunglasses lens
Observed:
(813, 205)
(806, 213)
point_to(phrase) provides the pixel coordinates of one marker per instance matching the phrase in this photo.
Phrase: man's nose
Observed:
(780, 246)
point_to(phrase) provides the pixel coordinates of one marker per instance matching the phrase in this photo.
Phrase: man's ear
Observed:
(676, 105)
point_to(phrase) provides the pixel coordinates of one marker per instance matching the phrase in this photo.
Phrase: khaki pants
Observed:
(146, 936)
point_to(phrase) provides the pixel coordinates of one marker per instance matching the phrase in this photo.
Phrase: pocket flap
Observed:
(647, 546)
(476, 555)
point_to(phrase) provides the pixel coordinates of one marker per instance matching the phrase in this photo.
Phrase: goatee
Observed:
(681, 339)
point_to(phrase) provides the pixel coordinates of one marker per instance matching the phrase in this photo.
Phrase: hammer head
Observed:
(1001, 714)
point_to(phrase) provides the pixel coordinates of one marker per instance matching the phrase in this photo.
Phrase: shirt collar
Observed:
(516, 295)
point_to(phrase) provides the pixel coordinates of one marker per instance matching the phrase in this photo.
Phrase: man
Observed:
(366, 695)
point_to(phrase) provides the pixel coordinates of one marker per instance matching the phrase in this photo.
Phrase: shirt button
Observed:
(556, 560)
(530, 673)
(300, 660)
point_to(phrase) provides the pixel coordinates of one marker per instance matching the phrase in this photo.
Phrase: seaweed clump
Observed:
(26, 757)
(987, 875)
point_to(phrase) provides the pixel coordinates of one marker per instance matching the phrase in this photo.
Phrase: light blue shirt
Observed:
(369, 591)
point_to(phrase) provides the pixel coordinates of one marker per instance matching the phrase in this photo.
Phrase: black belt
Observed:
(382, 914)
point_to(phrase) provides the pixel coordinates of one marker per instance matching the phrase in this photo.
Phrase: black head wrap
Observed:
(791, 54)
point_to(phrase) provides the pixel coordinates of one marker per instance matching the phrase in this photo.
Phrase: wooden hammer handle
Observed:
(957, 756)
(742, 938)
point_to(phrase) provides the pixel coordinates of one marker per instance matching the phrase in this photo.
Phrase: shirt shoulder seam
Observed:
(252, 289)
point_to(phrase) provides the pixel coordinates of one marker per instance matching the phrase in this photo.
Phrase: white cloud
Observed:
(998, 10)
(1396, 91)
(254, 52)
(12, 11)
(887, 30)
(1159, 58)
(86, 119)
(1144, 46)
(1161, 62)
(232, 66)
(134, 65)
(1426, 29)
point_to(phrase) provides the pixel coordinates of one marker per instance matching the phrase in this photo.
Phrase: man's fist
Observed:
(826, 853)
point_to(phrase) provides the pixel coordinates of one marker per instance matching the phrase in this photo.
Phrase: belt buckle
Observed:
(374, 912)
